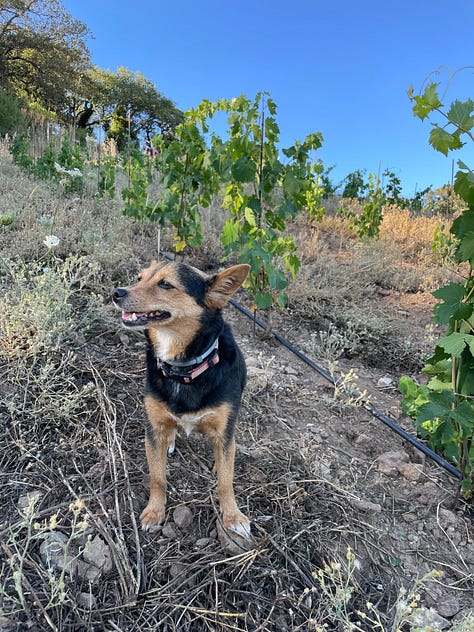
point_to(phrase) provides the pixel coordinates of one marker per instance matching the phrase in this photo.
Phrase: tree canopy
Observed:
(44, 59)
(42, 50)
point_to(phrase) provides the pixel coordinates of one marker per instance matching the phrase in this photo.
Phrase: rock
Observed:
(448, 606)
(87, 571)
(183, 571)
(385, 381)
(6, 625)
(410, 471)
(98, 554)
(362, 439)
(365, 505)
(53, 553)
(320, 468)
(182, 516)
(429, 619)
(29, 498)
(202, 543)
(447, 517)
(291, 370)
(251, 361)
(389, 462)
(169, 532)
(87, 601)
(429, 494)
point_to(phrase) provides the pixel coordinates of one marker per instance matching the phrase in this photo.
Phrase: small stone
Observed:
(251, 362)
(176, 569)
(53, 552)
(182, 516)
(30, 497)
(447, 517)
(6, 625)
(448, 607)
(87, 571)
(410, 471)
(124, 339)
(87, 601)
(184, 572)
(429, 619)
(98, 554)
(202, 543)
(290, 370)
(365, 505)
(362, 439)
(385, 381)
(389, 462)
(169, 532)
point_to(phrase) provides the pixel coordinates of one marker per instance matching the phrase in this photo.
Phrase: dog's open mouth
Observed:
(135, 319)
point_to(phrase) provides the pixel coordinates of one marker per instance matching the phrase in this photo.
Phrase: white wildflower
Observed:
(51, 241)
(74, 173)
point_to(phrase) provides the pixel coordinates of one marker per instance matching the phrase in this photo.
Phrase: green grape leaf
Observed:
(291, 184)
(249, 216)
(452, 307)
(461, 114)
(230, 233)
(277, 279)
(262, 301)
(244, 169)
(463, 414)
(465, 249)
(454, 343)
(439, 407)
(464, 184)
(426, 103)
(464, 223)
(444, 141)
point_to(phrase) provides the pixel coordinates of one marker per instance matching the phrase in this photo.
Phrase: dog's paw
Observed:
(238, 523)
(152, 516)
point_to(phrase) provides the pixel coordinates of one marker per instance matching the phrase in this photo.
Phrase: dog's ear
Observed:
(221, 286)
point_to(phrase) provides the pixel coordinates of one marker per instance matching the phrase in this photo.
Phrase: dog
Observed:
(195, 372)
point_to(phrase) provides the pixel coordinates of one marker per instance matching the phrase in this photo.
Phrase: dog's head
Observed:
(165, 294)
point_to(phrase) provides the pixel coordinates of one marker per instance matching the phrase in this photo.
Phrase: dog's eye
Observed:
(164, 285)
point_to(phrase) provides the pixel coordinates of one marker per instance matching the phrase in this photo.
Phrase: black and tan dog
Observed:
(195, 372)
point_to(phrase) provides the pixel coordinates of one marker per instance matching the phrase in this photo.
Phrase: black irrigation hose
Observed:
(367, 405)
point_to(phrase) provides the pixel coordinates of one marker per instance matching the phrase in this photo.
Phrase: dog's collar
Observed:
(186, 372)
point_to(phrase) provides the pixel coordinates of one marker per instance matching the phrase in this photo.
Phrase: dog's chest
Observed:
(191, 421)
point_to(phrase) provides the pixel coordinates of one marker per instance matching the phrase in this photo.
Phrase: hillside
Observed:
(353, 528)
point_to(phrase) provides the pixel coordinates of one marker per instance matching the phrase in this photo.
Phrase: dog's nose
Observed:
(119, 293)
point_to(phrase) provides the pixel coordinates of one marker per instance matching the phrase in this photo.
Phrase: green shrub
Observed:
(11, 118)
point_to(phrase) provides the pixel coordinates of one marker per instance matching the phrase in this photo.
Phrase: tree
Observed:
(42, 50)
(355, 186)
(120, 98)
(11, 117)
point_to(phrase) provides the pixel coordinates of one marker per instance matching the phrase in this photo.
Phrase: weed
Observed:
(59, 553)
(37, 311)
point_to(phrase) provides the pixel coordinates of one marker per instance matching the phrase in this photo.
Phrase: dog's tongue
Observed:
(132, 315)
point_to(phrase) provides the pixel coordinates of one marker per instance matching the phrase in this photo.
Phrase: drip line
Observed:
(357, 395)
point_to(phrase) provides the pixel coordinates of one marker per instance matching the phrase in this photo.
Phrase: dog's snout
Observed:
(119, 293)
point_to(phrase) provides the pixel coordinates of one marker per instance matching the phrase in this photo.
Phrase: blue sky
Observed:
(341, 68)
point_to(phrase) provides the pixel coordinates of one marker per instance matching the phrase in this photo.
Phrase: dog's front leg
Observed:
(233, 518)
(219, 428)
(160, 434)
